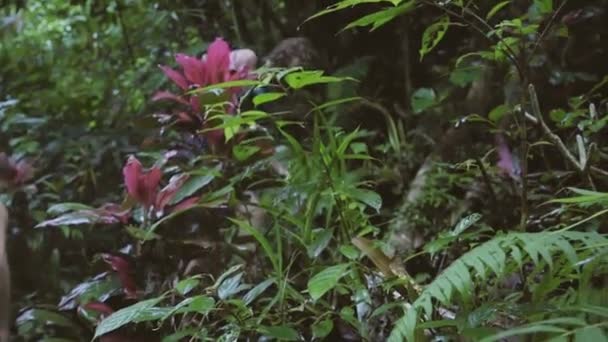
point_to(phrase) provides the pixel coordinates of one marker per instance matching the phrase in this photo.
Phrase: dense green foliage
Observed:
(443, 176)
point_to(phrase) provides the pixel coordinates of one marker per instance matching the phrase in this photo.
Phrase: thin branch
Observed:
(557, 141)
(554, 138)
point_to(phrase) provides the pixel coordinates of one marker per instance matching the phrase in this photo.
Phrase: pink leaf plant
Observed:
(219, 65)
(143, 186)
(14, 173)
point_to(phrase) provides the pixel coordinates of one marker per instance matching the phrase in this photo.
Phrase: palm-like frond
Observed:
(493, 258)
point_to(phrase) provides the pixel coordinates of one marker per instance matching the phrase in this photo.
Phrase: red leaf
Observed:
(102, 308)
(168, 192)
(194, 68)
(122, 267)
(166, 95)
(217, 62)
(141, 185)
(175, 76)
(186, 204)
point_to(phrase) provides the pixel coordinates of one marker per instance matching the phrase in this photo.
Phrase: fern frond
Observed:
(494, 257)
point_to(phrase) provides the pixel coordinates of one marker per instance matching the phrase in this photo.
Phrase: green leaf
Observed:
(382, 17)
(224, 85)
(433, 35)
(257, 290)
(280, 332)
(321, 240)
(367, 197)
(125, 316)
(266, 97)
(345, 4)
(185, 286)
(72, 219)
(61, 208)
(349, 251)
(322, 328)
(422, 99)
(326, 280)
(465, 224)
(497, 8)
(243, 152)
(141, 234)
(544, 6)
(262, 240)
(199, 304)
(192, 185)
(463, 76)
(231, 286)
(498, 113)
(301, 79)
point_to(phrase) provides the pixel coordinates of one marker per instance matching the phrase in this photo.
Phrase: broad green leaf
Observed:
(280, 332)
(349, 251)
(243, 152)
(465, 224)
(367, 197)
(231, 286)
(544, 6)
(198, 304)
(321, 240)
(185, 286)
(463, 76)
(257, 291)
(498, 113)
(322, 328)
(422, 99)
(61, 208)
(125, 316)
(326, 280)
(72, 219)
(433, 35)
(192, 185)
(266, 97)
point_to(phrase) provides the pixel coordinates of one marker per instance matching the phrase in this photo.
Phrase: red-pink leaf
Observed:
(166, 95)
(168, 192)
(141, 185)
(194, 68)
(102, 308)
(122, 267)
(175, 76)
(217, 62)
(186, 204)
